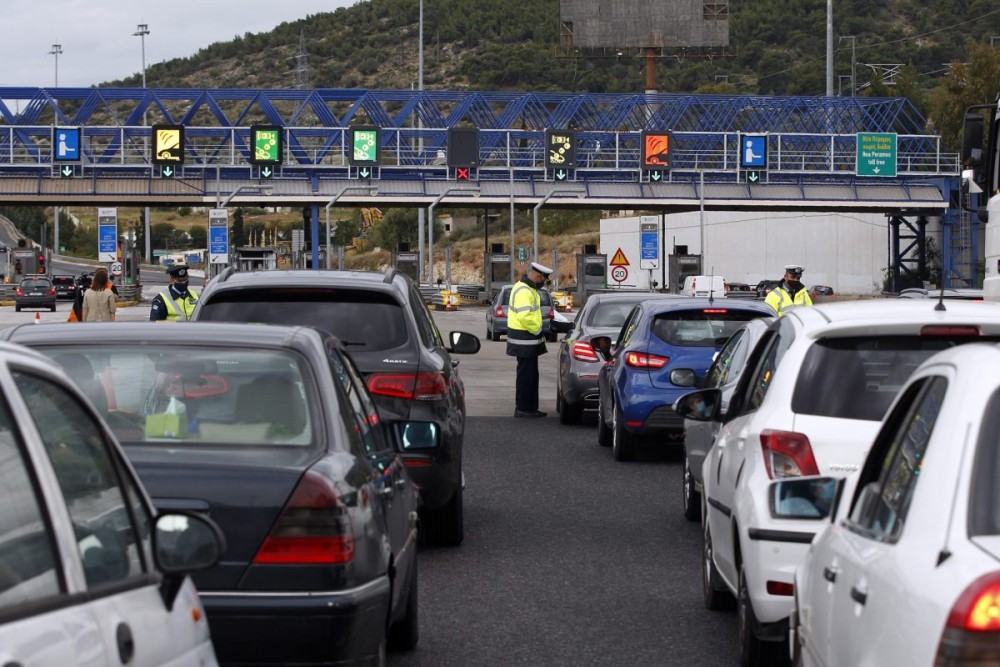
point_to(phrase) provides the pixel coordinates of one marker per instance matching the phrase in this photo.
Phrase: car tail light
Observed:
(312, 528)
(410, 386)
(972, 632)
(715, 311)
(499, 312)
(949, 331)
(787, 454)
(552, 313)
(19, 292)
(584, 351)
(782, 588)
(52, 290)
(640, 360)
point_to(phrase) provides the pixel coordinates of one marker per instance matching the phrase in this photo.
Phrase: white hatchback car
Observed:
(908, 572)
(89, 575)
(809, 402)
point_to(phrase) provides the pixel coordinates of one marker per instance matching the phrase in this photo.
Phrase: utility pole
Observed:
(421, 217)
(141, 31)
(829, 48)
(854, 62)
(56, 50)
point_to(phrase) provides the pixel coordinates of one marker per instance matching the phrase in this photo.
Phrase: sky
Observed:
(97, 38)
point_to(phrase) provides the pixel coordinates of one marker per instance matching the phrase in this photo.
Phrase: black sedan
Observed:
(35, 292)
(602, 315)
(272, 433)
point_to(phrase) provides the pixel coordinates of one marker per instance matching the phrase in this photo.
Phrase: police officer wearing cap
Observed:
(791, 292)
(524, 337)
(178, 301)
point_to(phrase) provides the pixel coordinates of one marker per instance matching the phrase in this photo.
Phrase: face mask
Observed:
(795, 284)
(181, 288)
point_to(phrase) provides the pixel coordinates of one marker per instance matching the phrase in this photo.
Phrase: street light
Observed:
(56, 50)
(430, 228)
(260, 189)
(141, 31)
(578, 193)
(372, 191)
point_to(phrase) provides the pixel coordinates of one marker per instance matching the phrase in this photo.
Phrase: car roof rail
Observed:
(390, 275)
(226, 273)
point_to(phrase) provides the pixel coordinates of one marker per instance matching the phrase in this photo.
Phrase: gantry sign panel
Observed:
(168, 144)
(266, 144)
(560, 149)
(365, 147)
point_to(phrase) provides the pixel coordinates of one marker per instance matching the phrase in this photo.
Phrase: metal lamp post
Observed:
(370, 190)
(141, 31)
(260, 189)
(56, 51)
(430, 228)
(539, 205)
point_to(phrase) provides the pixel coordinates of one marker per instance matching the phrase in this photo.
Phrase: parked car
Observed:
(705, 286)
(576, 384)
(740, 291)
(917, 529)
(764, 287)
(35, 292)
(664, 347)
(65, 286)
(90, 574)
(496, 314)
(963, 293)
(808, 403)
(383, 321)
(271, 432)
(724, 373)
(820, 290)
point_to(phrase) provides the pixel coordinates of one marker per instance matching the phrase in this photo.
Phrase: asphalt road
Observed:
(569, 558)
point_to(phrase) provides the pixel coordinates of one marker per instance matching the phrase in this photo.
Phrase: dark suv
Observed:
(390, 334)
(65, 286)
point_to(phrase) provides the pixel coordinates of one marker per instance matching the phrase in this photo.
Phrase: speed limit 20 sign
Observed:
(619, 274)
(116, 269)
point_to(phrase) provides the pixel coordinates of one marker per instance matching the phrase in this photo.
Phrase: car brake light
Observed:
(780, 588)
(949, 330)
(640, 360)
(312, 528)
(715, 311)
(499, 312)
(52, 290)
(409, 386)
(19, 292)
(584, 351)
(787, 454)
(972, 632)
(552, 313)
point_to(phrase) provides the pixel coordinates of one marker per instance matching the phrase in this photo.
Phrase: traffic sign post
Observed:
(619, 274)
(116, 269)
(168, 145)
(876, 154)
(218, 236)
(560, 154)
(107, 234)
(656, 154)
(649, 243)
(66, 144)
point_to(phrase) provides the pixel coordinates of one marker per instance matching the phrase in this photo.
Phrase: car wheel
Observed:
(17, 308)
(714, 594)
(495, 335)
(622, 442)
(603, 432)
(755, 652)
(53, 309)
(692, 500)
(405, 633)
(445, 526)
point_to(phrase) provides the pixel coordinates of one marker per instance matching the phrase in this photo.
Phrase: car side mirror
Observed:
(463, 343)
(803, 497)
(602, 345)
(703, 405)
(184, 542)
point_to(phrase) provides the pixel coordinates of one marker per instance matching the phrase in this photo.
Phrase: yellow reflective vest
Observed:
(524, 322)
(179, 311)
(780, 300)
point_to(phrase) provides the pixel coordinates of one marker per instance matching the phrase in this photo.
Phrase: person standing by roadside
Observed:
(178, 301)
(791, 292)
(82, 285)
(99, 303)
(525, 339)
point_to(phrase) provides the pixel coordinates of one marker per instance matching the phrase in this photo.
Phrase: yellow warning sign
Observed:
(619, 259)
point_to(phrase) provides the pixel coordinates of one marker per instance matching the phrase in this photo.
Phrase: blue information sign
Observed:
(218, 236)
(218, 240)
(66, 144)
(107, 234)
(753, 151)
(649, 243)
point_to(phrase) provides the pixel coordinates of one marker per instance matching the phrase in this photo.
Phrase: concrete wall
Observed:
(848, 251)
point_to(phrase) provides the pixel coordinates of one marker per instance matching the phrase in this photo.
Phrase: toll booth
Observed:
(680, 265)
(591, 273)
(24, 261)
(406, 263)
(497, 271)
(256, 259)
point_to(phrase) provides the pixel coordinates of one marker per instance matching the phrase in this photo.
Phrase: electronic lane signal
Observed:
(265, 145)
(656, 146)
(168, 144)
(560, 154)
(463, 152)
(365, 147)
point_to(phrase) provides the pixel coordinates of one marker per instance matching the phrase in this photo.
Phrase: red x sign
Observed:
(462, 173)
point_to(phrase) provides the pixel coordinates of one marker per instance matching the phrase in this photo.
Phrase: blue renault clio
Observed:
(664, 349)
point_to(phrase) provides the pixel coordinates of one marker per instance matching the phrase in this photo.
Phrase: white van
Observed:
(704, 285)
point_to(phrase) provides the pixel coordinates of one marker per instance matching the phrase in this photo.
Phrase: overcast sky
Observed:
(97, 35)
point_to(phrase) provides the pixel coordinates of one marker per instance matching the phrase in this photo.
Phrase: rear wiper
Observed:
(350, 342)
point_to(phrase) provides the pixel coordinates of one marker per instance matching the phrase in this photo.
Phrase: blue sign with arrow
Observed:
(107, 234)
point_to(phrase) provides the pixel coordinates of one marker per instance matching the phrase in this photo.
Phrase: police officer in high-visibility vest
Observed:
(177, 303)
(525, 339)
(791, 291)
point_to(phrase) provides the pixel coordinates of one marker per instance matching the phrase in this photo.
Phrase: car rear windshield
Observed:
(857, 378)
(196, 395)
(35, 284)
(362, 319)
(545, 298)
(61, 280)
(701, 327)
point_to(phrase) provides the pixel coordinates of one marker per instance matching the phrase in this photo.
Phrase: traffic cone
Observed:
(38, 318)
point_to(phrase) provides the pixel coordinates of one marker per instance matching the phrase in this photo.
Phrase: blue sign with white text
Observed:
(649, 243)
(66, 144)
(218, 240)
(753, 151)
(107, 239)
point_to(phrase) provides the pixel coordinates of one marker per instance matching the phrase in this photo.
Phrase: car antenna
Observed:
(711, 286)
(940, 303)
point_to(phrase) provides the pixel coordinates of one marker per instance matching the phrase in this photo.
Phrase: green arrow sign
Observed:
(561, 175)
(364, 172)
(753, 176)
(66, 171)
(266, 172)
(167, 171)
(876, 155)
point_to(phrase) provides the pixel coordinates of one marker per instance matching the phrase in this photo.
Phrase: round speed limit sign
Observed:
(619, 274)
(116, 269)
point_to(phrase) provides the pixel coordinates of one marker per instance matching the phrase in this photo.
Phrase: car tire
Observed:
(445, 526)
(53, 309)
(603, 432)
(622, 442)
(692, 499)
(755, 652)
(17, 308)
(405, 633)
(569, 413)
(495, 335)
(714, 594)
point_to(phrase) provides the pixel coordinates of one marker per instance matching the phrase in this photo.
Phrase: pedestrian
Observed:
(790, 292)
(177, 302)
(99, 303)
(82, 285)
(525, 339)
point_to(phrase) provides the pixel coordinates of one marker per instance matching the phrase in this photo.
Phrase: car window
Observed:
(361, 318)
(35, 284)
(881, 515)
(544, 297)
(858, 378)
(628, 328)
(362, 410)
(107, 538)
(984, 496)
(610, 315)
(28, 557)
(429, 334)
(701, 327)
(731, 353)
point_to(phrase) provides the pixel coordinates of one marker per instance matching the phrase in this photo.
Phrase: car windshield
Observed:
(857, 378)
(192, 395)
(701, 327)
(362, 319)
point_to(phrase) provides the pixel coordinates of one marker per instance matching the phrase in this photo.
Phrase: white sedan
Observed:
(908, 572)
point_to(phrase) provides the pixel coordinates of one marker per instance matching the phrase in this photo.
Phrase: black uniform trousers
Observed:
(526, 384)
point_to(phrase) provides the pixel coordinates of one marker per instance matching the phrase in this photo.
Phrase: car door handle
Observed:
(830, 573)
(859, 595)
(126, 643)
